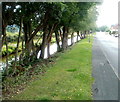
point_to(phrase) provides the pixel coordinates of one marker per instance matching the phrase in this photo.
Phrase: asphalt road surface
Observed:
(109, 45)
(105, 67)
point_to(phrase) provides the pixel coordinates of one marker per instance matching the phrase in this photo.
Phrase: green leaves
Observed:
(76, 15)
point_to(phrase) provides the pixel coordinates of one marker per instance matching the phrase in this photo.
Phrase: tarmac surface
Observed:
(106, 84)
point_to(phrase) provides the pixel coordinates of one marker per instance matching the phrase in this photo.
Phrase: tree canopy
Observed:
(59, 18)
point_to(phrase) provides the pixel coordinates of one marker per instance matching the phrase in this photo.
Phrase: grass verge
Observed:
(70, 78)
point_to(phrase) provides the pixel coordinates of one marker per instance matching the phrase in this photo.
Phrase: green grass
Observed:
(70, 78)
(11, 48)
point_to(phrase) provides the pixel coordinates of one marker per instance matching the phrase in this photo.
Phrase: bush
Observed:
(114, 32)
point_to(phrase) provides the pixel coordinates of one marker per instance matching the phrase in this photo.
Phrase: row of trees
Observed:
(59, 18)
(103, 29)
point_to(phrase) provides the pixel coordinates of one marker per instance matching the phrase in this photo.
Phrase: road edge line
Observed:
(110, 63)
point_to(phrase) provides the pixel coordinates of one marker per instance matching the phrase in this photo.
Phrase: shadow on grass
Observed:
(71, 70)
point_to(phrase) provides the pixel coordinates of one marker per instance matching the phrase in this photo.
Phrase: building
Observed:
(114, 28)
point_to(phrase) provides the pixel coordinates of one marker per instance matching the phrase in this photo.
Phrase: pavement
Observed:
(105, 86)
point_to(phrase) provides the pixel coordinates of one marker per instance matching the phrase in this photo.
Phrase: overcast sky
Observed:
(108, 13)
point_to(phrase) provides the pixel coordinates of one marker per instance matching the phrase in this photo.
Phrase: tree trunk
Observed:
(21, 55)
(48, 49)
(16, 54)
(72, 38)
(82, 35)
(25, 28)
(4, 25)
(6, 43)
(85, 34)
(57, 40)
(89, 35)
(44, 42)
(4, 40)
(3, 37)
(29, 45)
(65, 38)
(40, 26)
(43, 45)
(35, 32)
(37, 48)
(48, 44)
(60, 34)
(77, 35)
(49, 37)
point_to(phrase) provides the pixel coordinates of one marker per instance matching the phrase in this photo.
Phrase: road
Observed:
(105, 67)
(109, 45)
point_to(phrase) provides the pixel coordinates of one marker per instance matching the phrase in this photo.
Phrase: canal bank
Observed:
(69, 78)
(53, 49)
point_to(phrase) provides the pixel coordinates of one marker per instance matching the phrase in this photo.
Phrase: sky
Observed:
(108, 13)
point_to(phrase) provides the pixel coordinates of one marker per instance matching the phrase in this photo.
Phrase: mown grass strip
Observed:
(70, 78)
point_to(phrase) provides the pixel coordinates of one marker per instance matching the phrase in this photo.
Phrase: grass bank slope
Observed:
(70, 78)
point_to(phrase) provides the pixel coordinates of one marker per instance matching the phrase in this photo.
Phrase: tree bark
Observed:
(40, 26)
(20, 30)
(61, 36)
(49, 38)
(72, 38)
(44, 42)
(48, 43)
(89, 35)
(4, 25)
(43, 45)
(4, 40)
(48, 50)
(65, 38)
(84, 34)
(3, 37)
(35, 32)
(25, 28)
(21, 55)
(6, 43)
(57, 40)
(38, 48)
(29, 45)
(77, 35)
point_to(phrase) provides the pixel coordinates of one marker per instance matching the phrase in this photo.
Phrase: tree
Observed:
(103, 28)
(61, 18)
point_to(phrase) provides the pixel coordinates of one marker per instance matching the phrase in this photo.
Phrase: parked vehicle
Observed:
(116, 35)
